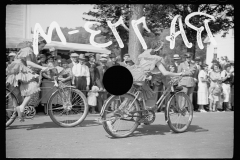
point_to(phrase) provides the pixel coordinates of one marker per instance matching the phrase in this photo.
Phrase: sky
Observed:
(65, 15)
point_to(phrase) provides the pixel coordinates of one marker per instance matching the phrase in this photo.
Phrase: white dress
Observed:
(92, 98)
(202, 89)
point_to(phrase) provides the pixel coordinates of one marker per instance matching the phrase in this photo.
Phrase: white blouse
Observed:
(81, 70)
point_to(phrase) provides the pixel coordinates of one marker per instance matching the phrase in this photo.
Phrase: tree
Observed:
(134, 44)
(159, 17)
(223, 13)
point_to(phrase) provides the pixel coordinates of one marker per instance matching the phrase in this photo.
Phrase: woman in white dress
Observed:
(202, 87)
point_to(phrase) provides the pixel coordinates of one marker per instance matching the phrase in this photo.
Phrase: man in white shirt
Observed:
(81, 74)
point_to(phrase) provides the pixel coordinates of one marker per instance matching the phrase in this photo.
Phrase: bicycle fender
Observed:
(111, 97)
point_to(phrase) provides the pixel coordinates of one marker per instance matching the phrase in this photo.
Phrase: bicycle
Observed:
(132, 109)
(63, 102)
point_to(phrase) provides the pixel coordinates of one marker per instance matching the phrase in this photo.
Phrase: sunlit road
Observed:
(209, 136)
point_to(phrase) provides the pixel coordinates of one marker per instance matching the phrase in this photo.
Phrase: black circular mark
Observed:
(117, 80)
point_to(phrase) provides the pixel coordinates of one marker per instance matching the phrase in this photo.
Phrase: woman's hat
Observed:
(104, 55)
(52, 49)
(126, 55)
(103, 59)
(42, 56)
(112, 56)
(82, 57)
(215, 61)
(197, 59)
(12, 54)
(188, 55)
(74, 55)
(50, 57)
(176, 56)
(64, 61)
(204, 65)
(129, 61)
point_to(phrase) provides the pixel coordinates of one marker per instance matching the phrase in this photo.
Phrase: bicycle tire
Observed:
(104, 117)
(78, 121)
(14, 115)
(189, 110)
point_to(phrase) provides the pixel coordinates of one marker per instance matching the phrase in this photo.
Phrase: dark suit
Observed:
(94, 74)
(195, 105)
(188, 81)
(102, 95)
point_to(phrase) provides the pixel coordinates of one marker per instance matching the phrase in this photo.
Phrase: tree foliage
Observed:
(159, 17)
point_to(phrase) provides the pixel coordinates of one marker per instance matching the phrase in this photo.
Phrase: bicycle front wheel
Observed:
(11, 103)
(120, 120)
(179, 112)
(68, 107)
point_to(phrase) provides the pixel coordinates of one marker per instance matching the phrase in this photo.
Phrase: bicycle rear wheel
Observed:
(67, 107)
(11, 103)
(179, 112)
(123, 122)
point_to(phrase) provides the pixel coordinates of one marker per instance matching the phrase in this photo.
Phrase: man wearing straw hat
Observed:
(81, 75)
(176, 63)
(94, 75)
(101, 70)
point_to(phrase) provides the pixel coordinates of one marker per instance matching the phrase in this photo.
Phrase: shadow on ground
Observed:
(85, 123)
(158, 129)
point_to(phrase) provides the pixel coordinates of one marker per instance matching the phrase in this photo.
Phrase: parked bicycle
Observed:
(67, 106)
(132, 110)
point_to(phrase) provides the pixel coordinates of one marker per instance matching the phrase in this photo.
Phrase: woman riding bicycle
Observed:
(150, 62)
(21, 73)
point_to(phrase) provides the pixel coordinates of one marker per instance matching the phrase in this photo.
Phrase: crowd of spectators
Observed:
(210, 88)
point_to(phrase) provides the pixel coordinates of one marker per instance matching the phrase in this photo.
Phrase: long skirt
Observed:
(202, 95)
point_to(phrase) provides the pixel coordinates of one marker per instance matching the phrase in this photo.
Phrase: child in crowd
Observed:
(92, 98)
(215, 92)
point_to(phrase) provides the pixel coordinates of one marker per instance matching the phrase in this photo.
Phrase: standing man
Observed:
(53, 53)
(70, 65)
(94, 74)
(81, 75)
(195, 105)
(102, 95)
(188, 81)
(176, 63)
(125, 58)
(113, 61)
